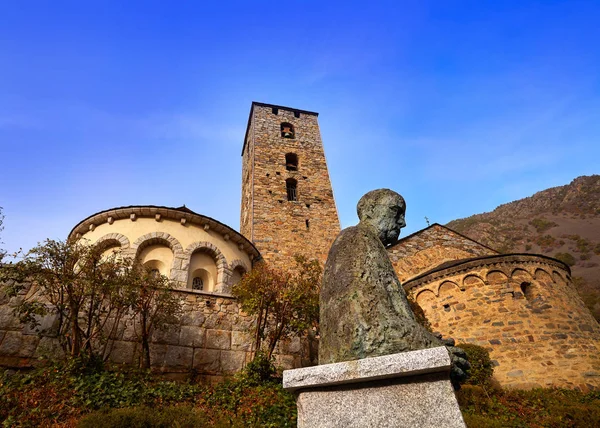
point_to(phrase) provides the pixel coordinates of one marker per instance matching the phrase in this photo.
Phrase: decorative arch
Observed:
(520, 274)
(544, 276)
(223, 272)
(158, 238)
(425, 295)
(558, 278)
(496, 277)
(112, 239)
(447, 287)
(472, 280)
(238, 266)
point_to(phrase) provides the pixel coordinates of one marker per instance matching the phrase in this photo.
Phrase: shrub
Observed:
(546, 241)
(142, 417)
(542, 225)
(566, 258)
(259, 371)
(482, 370)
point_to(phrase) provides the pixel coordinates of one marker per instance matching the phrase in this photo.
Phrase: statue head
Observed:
(384, 210)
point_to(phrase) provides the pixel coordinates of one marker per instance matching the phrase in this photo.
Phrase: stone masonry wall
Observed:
(211, 340)
(524, 310)
(280, 228)
(428, 248)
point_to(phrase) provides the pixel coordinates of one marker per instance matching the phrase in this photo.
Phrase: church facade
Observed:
(522, 307)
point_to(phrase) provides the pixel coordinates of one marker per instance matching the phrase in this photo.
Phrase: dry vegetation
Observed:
(561, 222)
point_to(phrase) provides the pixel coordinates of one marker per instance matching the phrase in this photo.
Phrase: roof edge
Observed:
(471, 262)
(151, 210)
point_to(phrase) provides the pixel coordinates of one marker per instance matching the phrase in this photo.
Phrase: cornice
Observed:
(480, 262)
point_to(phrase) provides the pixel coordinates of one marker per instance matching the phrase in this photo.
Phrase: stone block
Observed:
(49, 348)
(178, 357)
(193, 318)
(157, 354)
(16, 344)
(232, 361)
(207, 360)
(410, 389)
(8, 321)
(218, 339)
(241, 341)
(168, 336)
(192, 336)
(123, 352)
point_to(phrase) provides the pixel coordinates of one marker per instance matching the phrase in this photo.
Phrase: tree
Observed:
(153, 305)
(284, 303)
(79, 285)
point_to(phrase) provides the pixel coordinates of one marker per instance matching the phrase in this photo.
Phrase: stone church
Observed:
(522, 307)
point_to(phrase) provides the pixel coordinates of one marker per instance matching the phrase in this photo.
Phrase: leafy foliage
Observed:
(259, 371)
(141, 417)
(62, 394)
(153, 305)
(482, 370)
(538, 408)
(566, 258)
(284, 303)
(541, 225)
(78, 285)
(90, 293)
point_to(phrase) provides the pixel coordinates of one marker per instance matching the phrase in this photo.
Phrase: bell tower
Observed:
(287, 200)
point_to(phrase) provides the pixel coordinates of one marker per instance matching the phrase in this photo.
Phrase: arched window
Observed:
(197, 283)
(527, 290)
(291, 185)
(291, 162)
(287, 130)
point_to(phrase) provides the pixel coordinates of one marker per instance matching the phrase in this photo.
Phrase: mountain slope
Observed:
(561, 222)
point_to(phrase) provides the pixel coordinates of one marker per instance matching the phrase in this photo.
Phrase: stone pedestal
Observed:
(410, 389)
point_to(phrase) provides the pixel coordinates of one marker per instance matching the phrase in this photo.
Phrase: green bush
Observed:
(482, 370)
(542, 225)
(534, 408)
(258, 371)
(145, 417)
(566, 258)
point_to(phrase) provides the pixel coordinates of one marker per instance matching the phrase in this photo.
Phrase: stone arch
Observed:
(223, 271)
(158, 238)
(496, 277)
(520, 275)
(558, 278)
(523, 284)
(543, 275)
(472, 280)
(112, 239)
(236, 265)
(447, 287)
(424, 297)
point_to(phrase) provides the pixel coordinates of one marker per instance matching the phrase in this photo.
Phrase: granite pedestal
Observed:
(410, 389)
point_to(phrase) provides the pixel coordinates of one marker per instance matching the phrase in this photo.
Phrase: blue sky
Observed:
(458, 105)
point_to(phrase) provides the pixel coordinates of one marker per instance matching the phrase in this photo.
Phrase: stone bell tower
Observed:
(287, 200)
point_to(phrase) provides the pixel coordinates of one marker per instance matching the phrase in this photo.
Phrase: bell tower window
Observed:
(287, 130)
(291, 187)
(291, 162)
